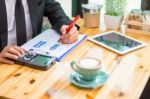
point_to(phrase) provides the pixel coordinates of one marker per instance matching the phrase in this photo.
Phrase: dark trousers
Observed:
(77, 7)
(146, 91)
(145, 4)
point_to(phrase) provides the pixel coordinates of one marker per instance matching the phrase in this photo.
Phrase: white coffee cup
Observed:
(88, 68)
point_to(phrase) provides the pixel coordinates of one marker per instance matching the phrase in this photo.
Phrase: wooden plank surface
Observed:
(128, 74)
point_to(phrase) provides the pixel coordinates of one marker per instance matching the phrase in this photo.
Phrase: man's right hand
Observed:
(10, 52)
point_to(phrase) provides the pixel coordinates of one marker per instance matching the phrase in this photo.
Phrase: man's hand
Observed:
(10, 52)
(70, 37)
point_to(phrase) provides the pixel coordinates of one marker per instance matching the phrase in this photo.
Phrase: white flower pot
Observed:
(113, 22)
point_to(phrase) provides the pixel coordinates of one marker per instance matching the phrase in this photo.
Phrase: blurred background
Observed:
(73, 7)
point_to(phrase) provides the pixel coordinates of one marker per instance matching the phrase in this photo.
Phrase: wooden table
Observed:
(128, 74)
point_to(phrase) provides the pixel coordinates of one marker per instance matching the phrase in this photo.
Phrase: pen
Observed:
(72, 24)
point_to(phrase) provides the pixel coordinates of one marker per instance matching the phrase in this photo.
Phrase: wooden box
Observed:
(129, 29)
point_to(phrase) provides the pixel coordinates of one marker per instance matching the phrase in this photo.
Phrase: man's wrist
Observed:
(1, 49)
(78, 27)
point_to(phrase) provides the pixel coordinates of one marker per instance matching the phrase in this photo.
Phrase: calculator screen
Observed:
(41, 60)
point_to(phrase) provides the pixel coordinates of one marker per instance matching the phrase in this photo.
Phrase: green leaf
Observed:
(115, 7)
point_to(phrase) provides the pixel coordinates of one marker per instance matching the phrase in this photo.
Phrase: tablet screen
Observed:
(117, 42)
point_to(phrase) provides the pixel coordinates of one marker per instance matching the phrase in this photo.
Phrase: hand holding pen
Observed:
(69, 33)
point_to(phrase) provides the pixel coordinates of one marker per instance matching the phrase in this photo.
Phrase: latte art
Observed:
(89, 68)
(89, 63)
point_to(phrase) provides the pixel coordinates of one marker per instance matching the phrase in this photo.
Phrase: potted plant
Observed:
(114, 13)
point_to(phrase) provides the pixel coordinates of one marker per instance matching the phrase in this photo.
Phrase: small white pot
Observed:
(113, 22)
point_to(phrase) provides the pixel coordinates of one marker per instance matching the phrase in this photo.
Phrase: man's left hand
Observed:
(70, 37)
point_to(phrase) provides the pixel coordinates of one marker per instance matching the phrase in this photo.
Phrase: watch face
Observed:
(41, 60)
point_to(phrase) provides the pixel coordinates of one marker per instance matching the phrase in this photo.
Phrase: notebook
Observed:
(47, 44)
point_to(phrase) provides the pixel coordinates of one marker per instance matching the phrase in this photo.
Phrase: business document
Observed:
(47, 44)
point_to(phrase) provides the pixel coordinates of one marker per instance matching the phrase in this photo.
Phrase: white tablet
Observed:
(117, 42)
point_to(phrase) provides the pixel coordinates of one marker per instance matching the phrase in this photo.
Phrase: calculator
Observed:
(37, 61)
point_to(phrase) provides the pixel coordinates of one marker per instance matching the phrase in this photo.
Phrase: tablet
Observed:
(117, 42)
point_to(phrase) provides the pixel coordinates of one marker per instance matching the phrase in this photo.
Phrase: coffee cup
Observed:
(88, 68)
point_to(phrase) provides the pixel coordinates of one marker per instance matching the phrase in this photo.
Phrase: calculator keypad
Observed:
(28, 56)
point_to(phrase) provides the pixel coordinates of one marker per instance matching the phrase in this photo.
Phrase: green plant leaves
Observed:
(115, 7)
